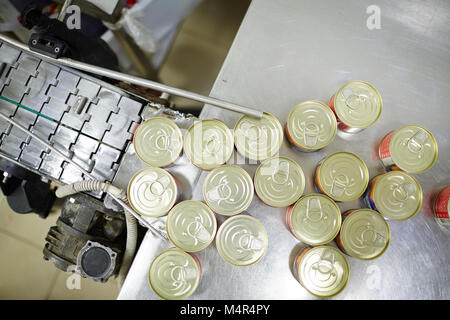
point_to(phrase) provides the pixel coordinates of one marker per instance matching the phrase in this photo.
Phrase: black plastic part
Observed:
(47, 45)
(96, 262)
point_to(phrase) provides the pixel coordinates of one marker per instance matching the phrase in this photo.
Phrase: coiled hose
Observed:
(96, 185)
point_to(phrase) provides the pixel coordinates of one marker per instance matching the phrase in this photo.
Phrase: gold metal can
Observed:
(342, 176)
(357, 105)
(242, 240)
(364, 234)
(208, 144)
(396, 195)
(191, 225)
(410, 148)
(311, 125)
(158, 142)
(174, 274)
(152, 192)
(323, 271)
(258, 139)
(315, 219)
(279, 182)
(228, 190)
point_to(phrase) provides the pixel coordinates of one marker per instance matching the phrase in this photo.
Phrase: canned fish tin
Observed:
(241, 240)
(315, 219)
(208, 144)
(191, 225)
(357, 105)
(441, 207)
(396, 195)
(364, 234)
(228, 190)
(323, 271)
(342, 176)
(410, 148)
(152, 192)
(279, 182)
(311, 125)
(258, 139)
(174, 274)
(158, 142)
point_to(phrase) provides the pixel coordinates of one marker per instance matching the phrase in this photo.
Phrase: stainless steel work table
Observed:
(289, 51)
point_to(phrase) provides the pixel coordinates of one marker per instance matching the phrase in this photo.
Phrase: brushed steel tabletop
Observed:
(289, 51)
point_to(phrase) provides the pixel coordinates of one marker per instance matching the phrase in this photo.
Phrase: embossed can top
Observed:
(343, 176)
(413, 149)
(279, 182)
(158, 142)
(174, 274)
(152, 192)
(228, 190)
(258, 139)
(323, 270)
(208, 144)
(312, 125)
(315, 219)
(365, 234)
(358, 104)
(397, 195)
(191, 225)
(241, 240)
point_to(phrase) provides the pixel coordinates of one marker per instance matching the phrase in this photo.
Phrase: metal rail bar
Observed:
(137, 81)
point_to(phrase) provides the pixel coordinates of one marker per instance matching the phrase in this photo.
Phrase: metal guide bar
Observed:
(138, 81)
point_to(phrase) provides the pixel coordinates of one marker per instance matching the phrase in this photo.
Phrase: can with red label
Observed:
(441, 207)
(357, 105)
(410, 148)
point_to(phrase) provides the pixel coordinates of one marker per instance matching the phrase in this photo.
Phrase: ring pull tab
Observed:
(163, 142)
(220, 192)
(314, 211)
(212, 144)
(178, 276)
(340, 183)
(371, 238)
(248, 242)
(325, 267)
(197, 231)
(402, 192)
(281, 175)
(352, 99)
(311, 133)
(417, 141)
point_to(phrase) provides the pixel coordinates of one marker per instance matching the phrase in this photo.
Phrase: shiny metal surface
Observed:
(291, 51)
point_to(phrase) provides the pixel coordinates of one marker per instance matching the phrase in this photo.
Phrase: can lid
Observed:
(158, 142)
(311, 125)
(174, 274)
(343, 176)
(208, 143)
(358, 104)
(413, 149)
(397, 195)
(228, 190)
(365, 234)
(241, 240)
(315, 219)
(152, 192)
(191, 225)
(258, 139)
(279, 182)
(323, 271)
